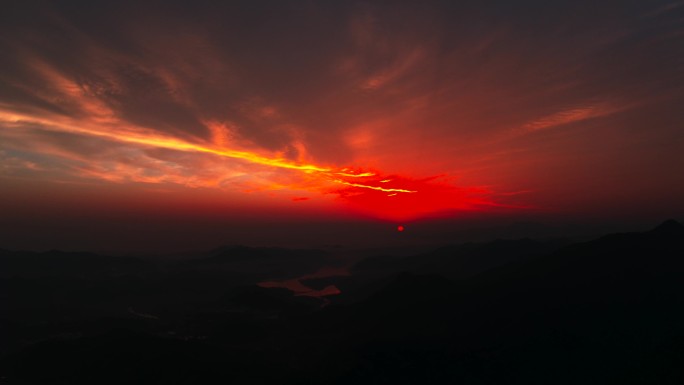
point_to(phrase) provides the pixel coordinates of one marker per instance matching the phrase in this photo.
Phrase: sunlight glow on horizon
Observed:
(361, 191)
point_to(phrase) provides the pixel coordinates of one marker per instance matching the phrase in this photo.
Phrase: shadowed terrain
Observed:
(610, 310)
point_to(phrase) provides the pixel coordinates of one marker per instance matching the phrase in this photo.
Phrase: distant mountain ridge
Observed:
(230, 254)
(460, 261)
(519, 312)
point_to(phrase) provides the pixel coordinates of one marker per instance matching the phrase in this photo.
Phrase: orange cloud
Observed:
(97, 141)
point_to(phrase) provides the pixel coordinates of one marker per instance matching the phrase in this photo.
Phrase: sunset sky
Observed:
(195, 124)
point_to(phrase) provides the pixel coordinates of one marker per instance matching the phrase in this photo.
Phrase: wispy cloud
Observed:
(210, 97)
(571, 115)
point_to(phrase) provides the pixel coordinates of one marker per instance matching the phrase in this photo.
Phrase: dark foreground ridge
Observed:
(607, 311)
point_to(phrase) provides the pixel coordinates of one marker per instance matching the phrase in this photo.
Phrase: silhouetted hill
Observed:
(456, 262)
(275, 301)
(461, 261)
(639, 256)
(267, 262)
(598, 312)
(669, 227)
(233, 254)
(55, 262)
(606, 311)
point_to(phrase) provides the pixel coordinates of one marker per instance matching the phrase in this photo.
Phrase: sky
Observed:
(137, 125)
